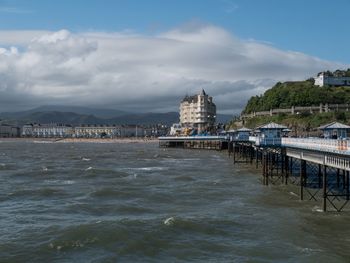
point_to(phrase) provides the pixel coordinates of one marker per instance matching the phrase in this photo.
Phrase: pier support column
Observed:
(347, 185)
(338, 177)
(324, 194)
(234, 152)
(265, 167)
(319, 175)
(286, 170)
(302, 178)
(251, 151)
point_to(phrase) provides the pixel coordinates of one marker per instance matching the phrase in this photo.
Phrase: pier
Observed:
(318, 167)
(195, 142)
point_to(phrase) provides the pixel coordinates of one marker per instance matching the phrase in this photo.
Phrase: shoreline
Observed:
(81, 140)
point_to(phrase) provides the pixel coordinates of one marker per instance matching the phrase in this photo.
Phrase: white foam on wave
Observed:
(149, 169)
(44, 168)
(66, 182)
(309, 250)
(88, 169)
(86, 159)
(317, 209)
(169, 221)
(146, 169)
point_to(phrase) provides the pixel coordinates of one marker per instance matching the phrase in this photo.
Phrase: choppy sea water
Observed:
(90, 202)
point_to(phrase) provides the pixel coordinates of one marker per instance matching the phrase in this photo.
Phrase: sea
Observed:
(136, 202)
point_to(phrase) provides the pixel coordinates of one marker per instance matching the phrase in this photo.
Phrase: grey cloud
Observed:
(144, 73)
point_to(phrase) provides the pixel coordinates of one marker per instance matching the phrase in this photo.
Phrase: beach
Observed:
(82, 140)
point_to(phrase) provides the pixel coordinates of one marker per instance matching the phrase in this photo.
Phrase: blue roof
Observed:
(271, 126)
(334, 125)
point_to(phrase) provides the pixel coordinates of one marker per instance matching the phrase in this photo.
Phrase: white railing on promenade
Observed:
(318, 144)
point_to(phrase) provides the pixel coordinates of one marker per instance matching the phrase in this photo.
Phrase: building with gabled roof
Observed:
(198, 112)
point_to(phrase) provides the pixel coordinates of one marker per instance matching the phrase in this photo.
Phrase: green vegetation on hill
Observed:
(301, 93)
(298, 93)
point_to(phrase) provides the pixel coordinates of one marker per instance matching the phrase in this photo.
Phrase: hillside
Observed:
(301, 93)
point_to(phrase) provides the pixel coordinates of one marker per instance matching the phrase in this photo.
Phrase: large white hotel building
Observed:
(198, 111)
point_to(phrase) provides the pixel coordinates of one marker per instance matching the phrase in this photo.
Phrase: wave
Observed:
(60, 182)
(35, 193)
(184, 178)
(108, 192)
(112, 173)
(43, 142)
(146, 169)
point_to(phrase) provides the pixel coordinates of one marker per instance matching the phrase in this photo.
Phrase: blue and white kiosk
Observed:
(242, 134)
(270, 134)
(335, 130)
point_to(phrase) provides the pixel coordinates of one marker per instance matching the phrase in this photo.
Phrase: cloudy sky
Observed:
(123, 55)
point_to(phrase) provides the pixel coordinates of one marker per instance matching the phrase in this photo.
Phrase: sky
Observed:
(144, 56)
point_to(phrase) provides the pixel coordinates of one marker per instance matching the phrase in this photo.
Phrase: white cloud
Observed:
(136, 72)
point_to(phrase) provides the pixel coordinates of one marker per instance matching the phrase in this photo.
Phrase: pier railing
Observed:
(259, 141)
(318, 144)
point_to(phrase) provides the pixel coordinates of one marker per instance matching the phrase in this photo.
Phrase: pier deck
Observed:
(195, 142)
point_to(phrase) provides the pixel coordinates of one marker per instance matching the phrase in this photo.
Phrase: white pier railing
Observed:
(318, 144)
(260, 141)
(337, 162)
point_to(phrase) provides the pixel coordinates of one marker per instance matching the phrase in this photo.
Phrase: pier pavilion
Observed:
(270, 134)
(335, 130)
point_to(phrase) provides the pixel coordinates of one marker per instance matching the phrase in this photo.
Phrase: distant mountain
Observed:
(83, 115)
(77, 119)
(100, 113)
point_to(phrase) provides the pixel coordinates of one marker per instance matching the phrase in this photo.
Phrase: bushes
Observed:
(303, 93)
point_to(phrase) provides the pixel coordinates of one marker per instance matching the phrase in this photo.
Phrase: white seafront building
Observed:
(47, 130)
(323, 79)
(91, 131)
(198, 111)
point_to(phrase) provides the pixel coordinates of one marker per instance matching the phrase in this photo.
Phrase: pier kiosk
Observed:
(335, 130)
(269, 134)
(242, 134)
